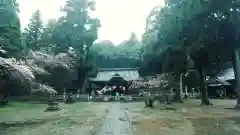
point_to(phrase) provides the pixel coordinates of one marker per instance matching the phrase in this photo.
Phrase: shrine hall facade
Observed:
(113, 77)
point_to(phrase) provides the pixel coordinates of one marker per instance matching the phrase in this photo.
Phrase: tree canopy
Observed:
(59, 49)
(198, 28)
(10, 29)
(127, 54)
(188, 33)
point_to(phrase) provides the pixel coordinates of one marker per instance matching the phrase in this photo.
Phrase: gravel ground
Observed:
(185, 119)
(116, 121)
(188, 118)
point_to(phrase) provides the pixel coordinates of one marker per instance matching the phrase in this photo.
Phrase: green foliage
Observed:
(10, 29)
(196, 28)
(60, 53)
(33, 33)
(204, 34)
(49, 38)
(125, 55)
(76, 29)
(16, 5)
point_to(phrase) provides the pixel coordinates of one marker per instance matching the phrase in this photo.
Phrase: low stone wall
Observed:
(59, 98)
(122, 99)
(80, 98)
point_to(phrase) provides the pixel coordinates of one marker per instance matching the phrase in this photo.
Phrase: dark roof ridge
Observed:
(116, 69)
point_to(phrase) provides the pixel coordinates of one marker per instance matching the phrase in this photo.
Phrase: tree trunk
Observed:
(146, 103)
(82, 78)
(236, 68)
(167, 100)
(3, 99)
(205, 100)
(150, 103)
(178, 97)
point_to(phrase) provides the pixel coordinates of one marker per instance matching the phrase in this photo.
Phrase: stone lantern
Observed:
(64, 95)
(52, 104)
(69, 99)
(78, 94)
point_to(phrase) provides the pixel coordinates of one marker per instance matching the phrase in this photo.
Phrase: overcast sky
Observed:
(118, 17)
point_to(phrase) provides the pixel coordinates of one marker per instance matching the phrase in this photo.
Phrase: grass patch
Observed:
(15, 106)
(22, 118)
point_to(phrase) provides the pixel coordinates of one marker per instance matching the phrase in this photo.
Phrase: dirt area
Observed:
(185, 119)
(75, 119)
(189, 118)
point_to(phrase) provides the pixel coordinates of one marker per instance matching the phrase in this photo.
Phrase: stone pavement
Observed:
(116, 122)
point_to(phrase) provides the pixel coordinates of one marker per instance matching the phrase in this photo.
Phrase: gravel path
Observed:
(116, 122)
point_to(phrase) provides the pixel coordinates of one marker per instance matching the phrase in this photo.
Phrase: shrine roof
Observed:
(105, 74)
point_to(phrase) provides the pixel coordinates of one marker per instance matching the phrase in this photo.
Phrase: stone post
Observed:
(64, 94)
(78, 93)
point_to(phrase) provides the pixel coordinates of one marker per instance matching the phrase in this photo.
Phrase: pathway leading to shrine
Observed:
(116, 122)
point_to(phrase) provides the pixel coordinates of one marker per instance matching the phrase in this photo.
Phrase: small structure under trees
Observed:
(223, 84)
(114, 80)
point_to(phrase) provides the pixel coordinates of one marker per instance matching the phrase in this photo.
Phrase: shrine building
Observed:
(116, 78)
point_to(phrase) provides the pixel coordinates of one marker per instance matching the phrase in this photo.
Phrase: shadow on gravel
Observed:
(122, 119)
(169, 108)
(149, 126)
(219, 126)
(35, 122)
(11, 126)
(21, 124)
